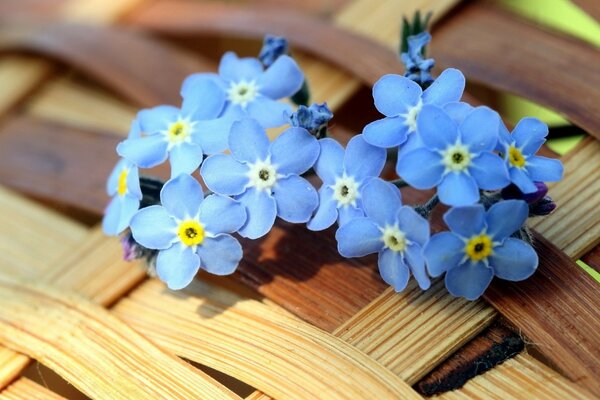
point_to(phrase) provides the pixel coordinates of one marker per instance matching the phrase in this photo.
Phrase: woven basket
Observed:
(296, 321)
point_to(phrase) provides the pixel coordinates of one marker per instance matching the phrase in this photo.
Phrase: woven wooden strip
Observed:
(575, 225)
(286, 358)
(94, 351)
(589, 6)
(11, 365)
(522, 377)
(25, 389)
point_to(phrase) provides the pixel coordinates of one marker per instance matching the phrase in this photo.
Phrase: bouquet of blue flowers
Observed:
(490, 179)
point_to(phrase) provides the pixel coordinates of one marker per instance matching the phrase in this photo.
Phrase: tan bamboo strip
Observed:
(26, 389)
(412, 332)
(575, 225)
(285, 358)
(94, 351)
(73, 103)
(522, 377)
(11, 365)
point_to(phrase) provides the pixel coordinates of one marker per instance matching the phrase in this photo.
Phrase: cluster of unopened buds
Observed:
(490, 180)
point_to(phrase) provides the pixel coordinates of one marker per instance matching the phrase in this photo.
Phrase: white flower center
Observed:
(456, 157)
(410, 118)
(262, 175)
(179, 132)
(394, 239)
(242, 92)
(345, 191)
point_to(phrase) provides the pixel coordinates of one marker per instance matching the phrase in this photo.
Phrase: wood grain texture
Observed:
(522, 377)
(11, 365)
(26, 389)
(97, 353)
(285, 358)
(591, 7)
(543, 66)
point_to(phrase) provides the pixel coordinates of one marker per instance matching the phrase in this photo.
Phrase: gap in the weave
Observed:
(238, 387)
(49, 379)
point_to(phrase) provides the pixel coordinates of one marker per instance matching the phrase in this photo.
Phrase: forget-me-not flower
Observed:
(177, 134)
(519, 148)
(401, 100)
(479, 247)
(251, 91)
(273, 48)
(418, 68)
(398, 233)
(190, 232)
(264, 176)
(344, 174)
(124, 186)
(458, 159)
(314, 119)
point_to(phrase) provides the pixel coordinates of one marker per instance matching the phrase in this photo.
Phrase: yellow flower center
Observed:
(191, 233)
(178, 131)
(456, 158)
(122, 184)
(394, 239)
(479, 247)
(515, 157)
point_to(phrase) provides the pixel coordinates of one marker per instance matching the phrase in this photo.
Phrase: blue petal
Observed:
(205, 100)
(119, 213)
(177, 266)
(282, 79)
(468, 280)
(326, 213)
(543, 169)
(416, 262)
(154, 228)
(529, 135)
(363, 160)
(393, 270)
(185, 158)
(412, 143)
(294, 151)
(466, 221)
(515, 260)
(413, 225)
(504, 139)
(146, 152)
(348, 213)
(329, 165)
(135, 131)
(421, 168)
(232, 68)
(220, 214)
(189, 83)
(213, 134)
(157, 119)
(489, 171)
(224, 175)
(112, 182)
(443, 252)
(386, 132)
(520, 178)
(436, 129)
(480, 130)
(248, 141)
(395, 94)
(458, 110)
(448, 87)
(358, 238)
(296, 199)
(381, 202)
(261, 210)
(458, 189)
(181, 196)
(269, 113)
(220, 255)
(133, 183)
(506, 217)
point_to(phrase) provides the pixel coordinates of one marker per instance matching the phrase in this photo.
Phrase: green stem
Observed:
(425, 209)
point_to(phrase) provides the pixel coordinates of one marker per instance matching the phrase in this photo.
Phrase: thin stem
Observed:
(399, 183)
(426, 209)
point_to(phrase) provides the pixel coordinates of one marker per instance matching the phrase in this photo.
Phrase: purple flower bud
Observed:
(131, 249)
(543, 206)
(513, 192)
(314, 119)
(273, 48)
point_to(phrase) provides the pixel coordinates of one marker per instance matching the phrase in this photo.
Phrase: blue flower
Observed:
(123, 186)
(400, 100)
(182, 135)
(343, 176)
(519, 148)
(250, 92)
(264, 176)
(418, 68)
(479, 247)
(190, 231)
(314, 119)
(398, 233)
(273, 48)
(458, 159)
